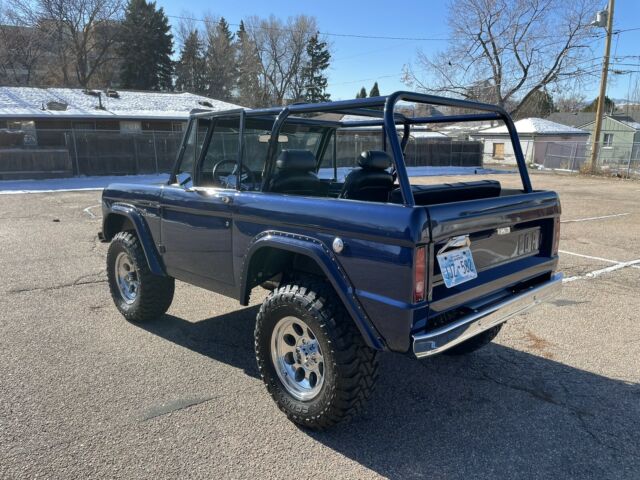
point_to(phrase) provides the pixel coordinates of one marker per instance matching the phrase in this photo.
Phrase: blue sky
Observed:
(359, 62)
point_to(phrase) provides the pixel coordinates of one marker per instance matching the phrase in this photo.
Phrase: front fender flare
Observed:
(144, 235)
(328, 263)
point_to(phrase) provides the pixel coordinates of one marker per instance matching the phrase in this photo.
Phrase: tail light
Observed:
(420, 275)
(556, 237)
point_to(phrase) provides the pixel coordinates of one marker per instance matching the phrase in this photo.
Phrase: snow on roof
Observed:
(538, 126)
(428, 134)
(33, 103)
(634, 125)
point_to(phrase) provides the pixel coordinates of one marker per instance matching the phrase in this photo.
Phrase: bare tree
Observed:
(572, 102)
(281, 50)
(84, 32)
(22, 45)
(504, 51)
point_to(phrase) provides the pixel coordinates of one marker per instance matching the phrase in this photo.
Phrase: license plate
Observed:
(457, 266)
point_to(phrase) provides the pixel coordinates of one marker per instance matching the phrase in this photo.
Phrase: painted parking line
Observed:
(606, 260)
(596, 273)
(89, 212)
(589, 219)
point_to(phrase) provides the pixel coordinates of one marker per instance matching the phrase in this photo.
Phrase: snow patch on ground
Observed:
(75, 184)
(423, 171)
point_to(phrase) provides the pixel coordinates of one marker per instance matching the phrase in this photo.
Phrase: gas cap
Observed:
(338, 245)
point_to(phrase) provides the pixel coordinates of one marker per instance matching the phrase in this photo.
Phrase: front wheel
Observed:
(311, 356)
(138, 294)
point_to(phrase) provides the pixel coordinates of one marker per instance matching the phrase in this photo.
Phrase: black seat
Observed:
(295, 174)
(371, 182)
(450, 192)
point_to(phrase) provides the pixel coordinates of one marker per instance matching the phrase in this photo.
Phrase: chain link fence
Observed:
(40, 153)
(46, 153)
(619, 159)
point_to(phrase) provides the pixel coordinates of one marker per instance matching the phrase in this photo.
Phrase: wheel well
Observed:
(272, 263)
(115, 223)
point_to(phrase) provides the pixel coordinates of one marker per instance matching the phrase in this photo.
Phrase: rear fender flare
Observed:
(142, 231)
(326, 260)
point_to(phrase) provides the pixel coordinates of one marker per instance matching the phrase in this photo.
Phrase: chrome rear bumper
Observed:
(441, 339)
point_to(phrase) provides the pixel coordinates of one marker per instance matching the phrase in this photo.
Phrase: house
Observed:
(619, 136)
(536, 135)
(28, 108)
(619, 139)
(65, 131)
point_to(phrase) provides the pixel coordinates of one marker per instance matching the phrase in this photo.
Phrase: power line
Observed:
(328, 34)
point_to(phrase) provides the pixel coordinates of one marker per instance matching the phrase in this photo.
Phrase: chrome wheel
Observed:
(126, 278)
(297, 358)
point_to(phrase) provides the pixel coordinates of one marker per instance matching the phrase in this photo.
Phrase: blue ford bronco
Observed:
(356, 264)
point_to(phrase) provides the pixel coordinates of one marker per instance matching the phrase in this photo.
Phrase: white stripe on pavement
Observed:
(588, 219)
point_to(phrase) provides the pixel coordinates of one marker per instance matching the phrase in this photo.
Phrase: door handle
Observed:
(226, 200)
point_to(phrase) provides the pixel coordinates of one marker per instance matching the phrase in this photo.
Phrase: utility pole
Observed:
(595, 137)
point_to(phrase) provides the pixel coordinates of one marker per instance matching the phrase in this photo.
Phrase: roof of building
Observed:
(625, 120)
(537, 126)
(632, 124)
(31, 102)
(573, 119)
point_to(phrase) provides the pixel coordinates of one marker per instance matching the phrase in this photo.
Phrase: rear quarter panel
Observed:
(379, 244)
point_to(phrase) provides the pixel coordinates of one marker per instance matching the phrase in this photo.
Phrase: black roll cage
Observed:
(381, 111)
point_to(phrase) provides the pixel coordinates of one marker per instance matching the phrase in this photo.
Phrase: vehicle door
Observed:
(197, 207)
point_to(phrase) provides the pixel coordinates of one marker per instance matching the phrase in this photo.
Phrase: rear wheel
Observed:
(475, 343)
(138, 294)
(311, 356)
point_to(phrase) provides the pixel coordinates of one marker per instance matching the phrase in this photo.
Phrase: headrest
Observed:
(374, 160)
(296, 160)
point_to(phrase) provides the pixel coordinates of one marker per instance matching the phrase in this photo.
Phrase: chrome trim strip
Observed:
(443, 338)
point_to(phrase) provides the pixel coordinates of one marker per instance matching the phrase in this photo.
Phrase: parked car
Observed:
(356, 266)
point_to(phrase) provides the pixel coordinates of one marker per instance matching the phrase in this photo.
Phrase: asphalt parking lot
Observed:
(85, 394)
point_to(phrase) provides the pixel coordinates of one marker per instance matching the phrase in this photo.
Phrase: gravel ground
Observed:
(85, 394)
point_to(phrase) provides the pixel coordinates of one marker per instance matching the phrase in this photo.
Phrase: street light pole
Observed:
(595, 137)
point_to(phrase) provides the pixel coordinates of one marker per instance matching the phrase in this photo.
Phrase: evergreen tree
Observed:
(609, 105)
(221, 62)
(375, 91)
(539, 104)
(248, 63)
(362, 93)
(190, 69)
(314, 71)
(146, 46)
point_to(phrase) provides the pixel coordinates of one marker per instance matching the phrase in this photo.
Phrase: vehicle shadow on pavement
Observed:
(227, 338)
(497, 413)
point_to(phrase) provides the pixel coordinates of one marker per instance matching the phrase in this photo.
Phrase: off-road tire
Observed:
(155, 292)
(475, 343)
(350, 365)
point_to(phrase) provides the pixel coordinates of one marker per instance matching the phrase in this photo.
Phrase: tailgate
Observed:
(511, 240)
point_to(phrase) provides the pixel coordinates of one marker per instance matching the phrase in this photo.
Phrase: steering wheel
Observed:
(222, 177)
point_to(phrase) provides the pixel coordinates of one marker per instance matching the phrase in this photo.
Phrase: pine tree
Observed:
(146, 46)
(249, 91)
(362, 93)
(221, 62)
(314, 76)
(539, 104)
(375, 91)
(609, 105)
(190, 69)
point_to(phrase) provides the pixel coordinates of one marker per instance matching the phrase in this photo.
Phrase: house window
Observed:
(128, 126)
(498, 150)
(608, 140)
